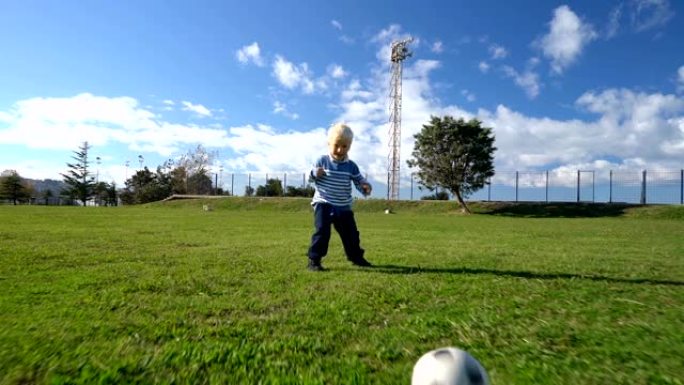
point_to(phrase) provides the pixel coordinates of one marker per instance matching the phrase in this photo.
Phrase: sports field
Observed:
(170, 293)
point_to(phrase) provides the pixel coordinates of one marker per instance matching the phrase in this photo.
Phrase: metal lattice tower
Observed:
(399, 53)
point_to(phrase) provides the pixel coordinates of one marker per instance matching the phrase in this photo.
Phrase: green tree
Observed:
(12, 187)
(273, 188)
(145, 186)
(46, 195)
(293, 191)
(80, 183)
(437, 196)
(112, 195)
(193, 171)
(455, 155)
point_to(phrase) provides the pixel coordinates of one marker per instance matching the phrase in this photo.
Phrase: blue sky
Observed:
(565, 85)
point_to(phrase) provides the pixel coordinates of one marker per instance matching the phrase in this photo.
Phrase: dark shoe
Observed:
(361, 261)
(315, 265)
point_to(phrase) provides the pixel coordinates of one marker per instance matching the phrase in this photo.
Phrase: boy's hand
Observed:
(366, 189)
(320, 172)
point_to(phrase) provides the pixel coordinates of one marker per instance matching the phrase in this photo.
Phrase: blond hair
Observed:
(340, 130)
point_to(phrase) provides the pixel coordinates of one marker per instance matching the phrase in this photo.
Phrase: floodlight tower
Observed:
(399, 53)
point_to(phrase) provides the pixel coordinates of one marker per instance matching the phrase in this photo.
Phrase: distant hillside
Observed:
(56, 186)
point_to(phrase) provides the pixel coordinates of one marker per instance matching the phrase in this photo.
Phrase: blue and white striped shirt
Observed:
(334, 187)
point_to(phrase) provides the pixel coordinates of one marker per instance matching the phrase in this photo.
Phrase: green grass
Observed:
(169, 293)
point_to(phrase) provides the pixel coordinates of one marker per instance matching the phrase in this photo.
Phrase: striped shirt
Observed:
(335, 186)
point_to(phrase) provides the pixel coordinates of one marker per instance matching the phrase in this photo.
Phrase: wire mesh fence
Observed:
(621, 186)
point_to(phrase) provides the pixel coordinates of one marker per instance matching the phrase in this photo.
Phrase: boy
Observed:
(332, 176)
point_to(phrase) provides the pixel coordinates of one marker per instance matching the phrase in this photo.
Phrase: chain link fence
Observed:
(611, 186)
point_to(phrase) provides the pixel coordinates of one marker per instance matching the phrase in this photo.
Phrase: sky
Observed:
(591, 85)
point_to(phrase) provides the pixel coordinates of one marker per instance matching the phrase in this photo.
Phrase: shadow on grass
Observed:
(394, 269)
(554, 210)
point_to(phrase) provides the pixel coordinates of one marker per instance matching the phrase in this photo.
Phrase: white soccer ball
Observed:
(448, 366)
(387, 211)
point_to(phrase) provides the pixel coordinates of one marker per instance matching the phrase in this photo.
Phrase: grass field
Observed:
(169, 293)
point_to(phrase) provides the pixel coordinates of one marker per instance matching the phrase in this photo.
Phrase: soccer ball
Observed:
(448, 366)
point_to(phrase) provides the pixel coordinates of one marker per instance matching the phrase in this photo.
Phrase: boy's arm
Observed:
(317, 171)
(361, 183)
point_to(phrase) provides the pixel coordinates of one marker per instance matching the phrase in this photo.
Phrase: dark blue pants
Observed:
(345, 225)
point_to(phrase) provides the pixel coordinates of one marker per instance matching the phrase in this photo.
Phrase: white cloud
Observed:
(336, 24)
(260, 149)
(649, 14)
(497, 52)
(281, 109)
(437, 47)
(528, 80)
(567, 38)
(614, 21)
(468, 95)
(347, 40)
(65, 123)
(639, 15)
(250, 53)
(292, 76)
(483, 66)
(336, 71)
(196, 108)
(680, 79)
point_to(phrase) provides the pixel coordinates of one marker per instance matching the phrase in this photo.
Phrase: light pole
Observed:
(97, 182)
(97, 175)
(220, 179)
(141, 160)
(128, 162)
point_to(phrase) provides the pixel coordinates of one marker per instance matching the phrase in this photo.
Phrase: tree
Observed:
(455, 155)
(293, 191)
(46, 195)
(12, 187)
(437, 196)
(192, 170)
(80, 182)
(145, 186)
(273, 188)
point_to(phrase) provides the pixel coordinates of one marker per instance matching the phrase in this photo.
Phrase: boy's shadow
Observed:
(396, 269)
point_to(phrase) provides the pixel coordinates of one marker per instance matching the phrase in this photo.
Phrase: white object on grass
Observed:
(448, 366)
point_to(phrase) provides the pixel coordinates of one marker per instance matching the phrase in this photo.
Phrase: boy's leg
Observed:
(346, 226)
(321, 236)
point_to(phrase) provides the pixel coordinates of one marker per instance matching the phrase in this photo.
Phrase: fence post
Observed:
(516, 186)
(284, 182)
(232, 184)
(681, 187)
(546, 194)
(578, 186)
(643, 187)
(249, 180)
(610, 187)
(489, 190)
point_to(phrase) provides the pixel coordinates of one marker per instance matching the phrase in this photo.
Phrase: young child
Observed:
(332, 176)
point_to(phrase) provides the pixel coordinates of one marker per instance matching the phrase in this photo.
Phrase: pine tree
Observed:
(79, 180)
(12, 187)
